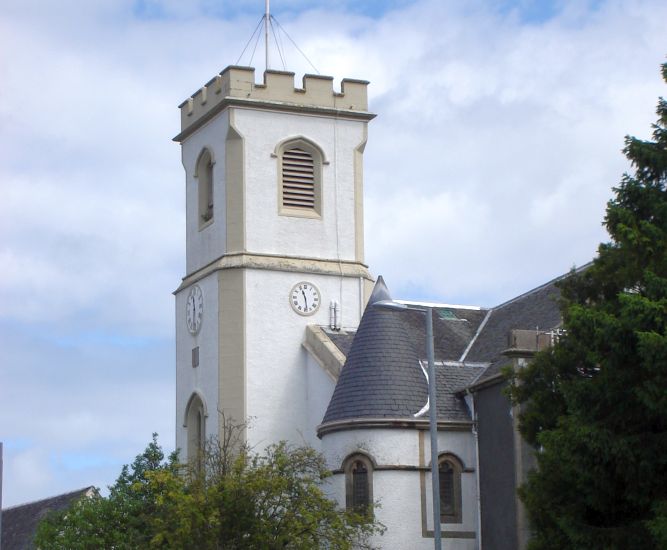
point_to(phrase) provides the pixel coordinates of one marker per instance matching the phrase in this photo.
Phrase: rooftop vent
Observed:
(446, 314)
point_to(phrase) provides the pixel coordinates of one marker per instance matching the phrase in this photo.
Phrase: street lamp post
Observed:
(433, 428)
(432, 412)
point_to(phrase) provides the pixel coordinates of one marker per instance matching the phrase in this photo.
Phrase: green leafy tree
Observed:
(595, 405)
(123, 520)
(231, 499)
(269, 501)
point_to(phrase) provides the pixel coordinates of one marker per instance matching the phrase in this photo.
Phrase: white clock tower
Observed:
(274, 242)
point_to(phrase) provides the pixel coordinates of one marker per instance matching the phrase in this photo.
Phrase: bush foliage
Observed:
(232, 499)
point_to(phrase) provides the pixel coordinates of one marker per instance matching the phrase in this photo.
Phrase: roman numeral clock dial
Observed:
(194, 309)
(305, 298)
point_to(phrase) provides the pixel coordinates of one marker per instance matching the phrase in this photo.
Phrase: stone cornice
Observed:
(392, 423)
(274, 262)
(401, 468)
(324, 351)
(271, 106)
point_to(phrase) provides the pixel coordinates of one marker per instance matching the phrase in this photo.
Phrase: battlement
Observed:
(236, 85)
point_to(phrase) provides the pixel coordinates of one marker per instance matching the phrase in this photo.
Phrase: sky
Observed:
(496, 147)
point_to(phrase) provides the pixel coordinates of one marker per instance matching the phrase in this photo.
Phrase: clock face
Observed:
(304, 298)
(194, 308)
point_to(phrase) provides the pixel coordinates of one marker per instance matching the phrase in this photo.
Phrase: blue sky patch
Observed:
(81, 461)
(148, 9)
(220, 9)
(535, 12)
(17, 444)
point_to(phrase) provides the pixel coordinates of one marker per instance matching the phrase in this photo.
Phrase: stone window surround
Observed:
(348, 464)
(204, 173)
(457, 467)
(195, 423)
(319, 161)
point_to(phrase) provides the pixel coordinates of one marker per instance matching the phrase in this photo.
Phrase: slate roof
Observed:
(535, 310)
(19, 523)
(382, 376)
(451, 379)
(451, 335)
(341, 338)
(453, 328)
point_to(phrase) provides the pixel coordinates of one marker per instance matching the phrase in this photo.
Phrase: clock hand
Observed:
(305, 300)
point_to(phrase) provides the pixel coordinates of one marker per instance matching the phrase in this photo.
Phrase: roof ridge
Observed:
(83, 490)
(441, 305)
(476, 335)
(544, 285)
(476, 379)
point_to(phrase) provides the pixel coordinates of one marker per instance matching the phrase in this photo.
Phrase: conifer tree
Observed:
(595, 405)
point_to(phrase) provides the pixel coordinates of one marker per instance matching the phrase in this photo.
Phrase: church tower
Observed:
(274, 242)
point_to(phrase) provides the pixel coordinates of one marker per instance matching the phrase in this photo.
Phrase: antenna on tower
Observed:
(267, 20)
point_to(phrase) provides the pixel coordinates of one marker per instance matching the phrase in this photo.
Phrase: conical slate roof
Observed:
(382, 377)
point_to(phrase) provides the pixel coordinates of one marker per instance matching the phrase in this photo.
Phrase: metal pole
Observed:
(432, 412)
(267, 19)
(433, 427)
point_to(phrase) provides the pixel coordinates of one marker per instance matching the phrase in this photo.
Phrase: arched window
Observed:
(195, 423)
(204, 174)
(449, 471)
(300, 173)
(358, 470)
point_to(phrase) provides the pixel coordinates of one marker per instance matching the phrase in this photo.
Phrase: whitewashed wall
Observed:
(330, 237)
(268, 232)
(203, 378)
(205, 245)
(398, 491)
(319, 386)
(278, 401)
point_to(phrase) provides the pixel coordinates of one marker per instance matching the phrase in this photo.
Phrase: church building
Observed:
(276, 324)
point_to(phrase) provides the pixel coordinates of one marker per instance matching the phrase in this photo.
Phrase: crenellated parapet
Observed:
(236, 86)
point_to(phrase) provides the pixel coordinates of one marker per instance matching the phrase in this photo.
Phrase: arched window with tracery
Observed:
(449, 472)
(358, 470)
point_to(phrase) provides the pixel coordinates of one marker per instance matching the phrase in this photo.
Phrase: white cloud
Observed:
(28, 465)
(487, 171)
(525, 121)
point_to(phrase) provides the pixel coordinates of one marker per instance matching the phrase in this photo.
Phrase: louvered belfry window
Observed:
(298, 179)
